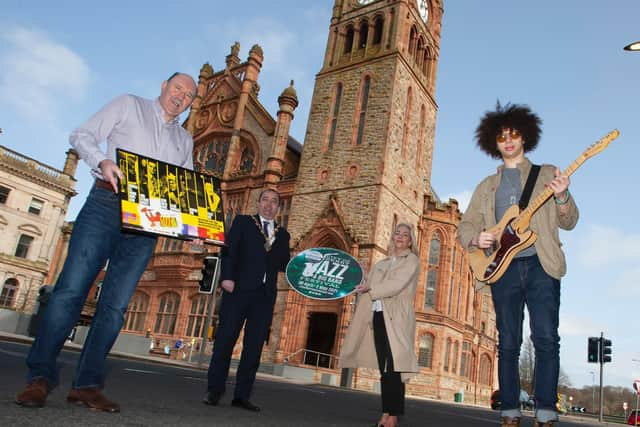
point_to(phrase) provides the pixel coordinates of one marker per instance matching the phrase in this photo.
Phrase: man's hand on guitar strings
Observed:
(484, 240)
(559, 185)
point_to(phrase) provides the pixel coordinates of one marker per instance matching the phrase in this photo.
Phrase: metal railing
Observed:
(314, 358)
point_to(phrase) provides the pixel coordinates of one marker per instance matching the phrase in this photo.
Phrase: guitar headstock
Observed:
(601, 144)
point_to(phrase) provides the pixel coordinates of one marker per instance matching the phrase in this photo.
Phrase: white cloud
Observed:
(39, 76)
(604, 246)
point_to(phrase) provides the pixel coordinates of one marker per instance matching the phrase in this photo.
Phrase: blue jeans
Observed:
(96, 238)
(526, 282)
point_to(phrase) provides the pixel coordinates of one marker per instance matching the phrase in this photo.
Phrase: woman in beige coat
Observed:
(382, 332)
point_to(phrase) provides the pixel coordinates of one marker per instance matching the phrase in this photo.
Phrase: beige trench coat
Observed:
(395, 285)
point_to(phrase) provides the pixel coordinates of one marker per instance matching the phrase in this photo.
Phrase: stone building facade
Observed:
(365, 166)
(34, 198)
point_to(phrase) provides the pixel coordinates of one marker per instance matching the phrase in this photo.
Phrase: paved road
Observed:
(153, 394)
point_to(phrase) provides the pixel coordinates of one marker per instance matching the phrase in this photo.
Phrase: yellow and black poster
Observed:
(169, 200)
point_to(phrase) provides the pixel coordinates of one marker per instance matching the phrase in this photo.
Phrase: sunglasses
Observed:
(513, 133)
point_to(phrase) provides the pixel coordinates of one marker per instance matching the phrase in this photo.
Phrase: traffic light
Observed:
(593, 348)
(209, 272)
(605, 350)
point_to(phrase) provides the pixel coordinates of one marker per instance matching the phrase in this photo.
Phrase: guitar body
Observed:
(488, 265)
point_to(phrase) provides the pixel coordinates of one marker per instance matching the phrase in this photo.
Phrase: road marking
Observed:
(142, 371)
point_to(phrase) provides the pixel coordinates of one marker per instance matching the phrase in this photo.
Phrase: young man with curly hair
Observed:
(533, 276)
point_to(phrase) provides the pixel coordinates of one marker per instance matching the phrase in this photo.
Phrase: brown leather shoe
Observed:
(93, 398)
(34, 395)
(510, 422)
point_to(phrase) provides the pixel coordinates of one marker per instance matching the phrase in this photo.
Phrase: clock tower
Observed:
(370, 135)
(366, 159)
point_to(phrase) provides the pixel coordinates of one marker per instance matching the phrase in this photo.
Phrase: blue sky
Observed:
(61, 61)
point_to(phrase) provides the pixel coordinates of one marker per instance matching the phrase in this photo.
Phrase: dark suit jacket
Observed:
(245, 259)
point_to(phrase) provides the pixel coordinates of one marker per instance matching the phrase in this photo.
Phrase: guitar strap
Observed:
(528, 187)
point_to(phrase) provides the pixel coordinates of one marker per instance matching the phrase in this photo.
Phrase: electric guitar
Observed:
(488, 265)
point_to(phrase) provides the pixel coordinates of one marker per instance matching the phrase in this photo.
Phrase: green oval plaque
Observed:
(324, 273)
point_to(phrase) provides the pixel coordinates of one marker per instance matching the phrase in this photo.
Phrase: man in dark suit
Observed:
(256, 249)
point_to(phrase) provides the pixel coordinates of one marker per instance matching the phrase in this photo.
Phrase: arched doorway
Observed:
(320, 339)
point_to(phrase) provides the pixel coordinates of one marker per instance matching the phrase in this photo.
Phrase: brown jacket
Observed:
(396, 287)
(481, 215)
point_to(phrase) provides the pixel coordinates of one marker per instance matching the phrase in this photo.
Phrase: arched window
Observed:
(485, 370)
(233, 207)
(447, 354)
(213, 156)
(348, 40)
(432, 274)
(454, 358)
(426, 62)
(364, 98)
(334, 116)
(421, 141)
(465, 360)
(413, 35)
(434, 250)
(425, 351)
(419, 52)
(136, 315)
(8, 294)
(167, 314)
(197, 316)
(364, 33)
(378, 25)
(406, 130)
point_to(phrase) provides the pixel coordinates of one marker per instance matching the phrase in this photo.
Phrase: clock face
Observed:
(365, 1)
(423, 8)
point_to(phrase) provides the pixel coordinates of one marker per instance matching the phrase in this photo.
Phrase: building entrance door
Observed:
(320, 338)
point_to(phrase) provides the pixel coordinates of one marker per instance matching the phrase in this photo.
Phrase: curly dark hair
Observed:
(511, 116)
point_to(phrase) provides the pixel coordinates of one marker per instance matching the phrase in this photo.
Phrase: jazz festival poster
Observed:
(324, 273)
(169, 200)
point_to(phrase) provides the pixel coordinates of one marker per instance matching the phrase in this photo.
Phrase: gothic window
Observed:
(136, 315)
(426, 351)
(432, 274)
(24, 243)
(447, 354)
(197, 316)
(485, 370)
(364, 98)
(454, 359)
(465, 360)
(364, 33)
(246, 160)
(96, 296)
(348, 40)
(426, 62)
(434, 250)
(4, 194)
(413, 35)
(419, 53)
(421, 140)
(167, 314)
(213, 156)
(334, 115)
(406, 130)
(451, 284)
(377, 30)
(283, 214)
(8, 293)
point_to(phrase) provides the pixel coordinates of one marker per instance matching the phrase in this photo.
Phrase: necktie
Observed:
(265, 228)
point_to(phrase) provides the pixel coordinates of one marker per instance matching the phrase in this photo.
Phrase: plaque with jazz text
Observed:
(324, 273)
